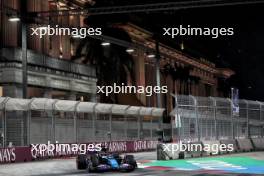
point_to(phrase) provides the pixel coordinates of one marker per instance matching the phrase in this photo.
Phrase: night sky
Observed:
(243, 52)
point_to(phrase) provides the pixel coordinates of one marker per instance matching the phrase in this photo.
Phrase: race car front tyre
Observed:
(81, 162)
(89, 166)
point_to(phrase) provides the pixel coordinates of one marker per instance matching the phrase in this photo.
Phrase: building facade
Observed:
(52, 73)
(181, 73)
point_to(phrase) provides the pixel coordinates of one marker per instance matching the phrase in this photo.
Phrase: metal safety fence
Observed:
(39, 120)
(214, 118)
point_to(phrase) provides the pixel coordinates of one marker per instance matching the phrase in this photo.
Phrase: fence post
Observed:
(139, 124)
(125, 122)
(262, 119)
(247, 116)
(151, 117)
(110, 124)
(197, 121)
(94, 121)
(22, 134)
(75, 133)
(53, 122)
(29, 122)
(110, 128)
(197, 129)
(3, 126)
(232, 118)
(215, 120)
(141, 127)
(4, 121)
(260, 115)
(126, 126)
(151, 129)
(176, 113)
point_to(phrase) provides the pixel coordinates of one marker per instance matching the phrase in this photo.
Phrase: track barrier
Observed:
(167, 151)
(36, 152)
(258, 143)
(245, 145)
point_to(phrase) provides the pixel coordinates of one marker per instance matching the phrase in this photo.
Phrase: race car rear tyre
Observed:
(81, 162)
(129, 159)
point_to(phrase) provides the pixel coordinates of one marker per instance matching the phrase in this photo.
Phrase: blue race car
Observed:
(102, 162)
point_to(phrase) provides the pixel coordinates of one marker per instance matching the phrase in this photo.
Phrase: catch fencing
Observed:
(214, 118)
(39, 120)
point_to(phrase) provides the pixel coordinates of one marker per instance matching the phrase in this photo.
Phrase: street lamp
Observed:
(130, 50)
(105, 43)
(13, 19)
(151, 55)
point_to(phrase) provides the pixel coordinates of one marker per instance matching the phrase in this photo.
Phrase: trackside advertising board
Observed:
(49, 150)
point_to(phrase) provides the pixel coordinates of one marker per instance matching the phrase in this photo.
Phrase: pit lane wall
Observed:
(38, 151)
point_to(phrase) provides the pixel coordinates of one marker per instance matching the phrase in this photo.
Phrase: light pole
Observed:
(24, 47)
(24, 59)
(157, 69)
(15, 18)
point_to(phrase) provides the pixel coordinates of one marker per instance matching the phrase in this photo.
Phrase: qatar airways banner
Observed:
(15, 154)
(56, 150)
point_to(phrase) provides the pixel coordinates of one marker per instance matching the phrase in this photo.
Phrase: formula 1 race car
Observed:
(98, 162)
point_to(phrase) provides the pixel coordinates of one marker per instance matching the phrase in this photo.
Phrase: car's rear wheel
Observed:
(81, 162)
(129, 159)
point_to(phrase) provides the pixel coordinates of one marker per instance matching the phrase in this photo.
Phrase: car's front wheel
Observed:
(89, 166)
(81, 162)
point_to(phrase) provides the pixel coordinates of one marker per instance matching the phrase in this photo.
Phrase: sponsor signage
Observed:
(15, 154)
(7, 155)
(49, 150)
